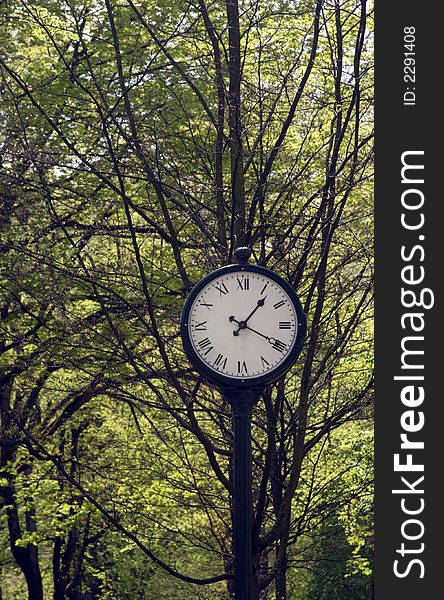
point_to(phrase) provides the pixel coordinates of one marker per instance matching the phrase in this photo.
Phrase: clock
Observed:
(242, 325)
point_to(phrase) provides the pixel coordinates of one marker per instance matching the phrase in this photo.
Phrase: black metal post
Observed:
(242, 402)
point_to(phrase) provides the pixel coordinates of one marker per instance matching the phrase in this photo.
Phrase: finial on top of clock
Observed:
(242, 254)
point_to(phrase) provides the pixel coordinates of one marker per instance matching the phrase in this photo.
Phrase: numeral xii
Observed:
(243, 284)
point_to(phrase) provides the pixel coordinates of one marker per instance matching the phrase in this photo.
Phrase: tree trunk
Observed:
(281, 578)
(25, 557)
(67, 565)
(234, 118)
(59, 583)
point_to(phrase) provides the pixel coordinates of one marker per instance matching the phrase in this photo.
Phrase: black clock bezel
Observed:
(225, 380)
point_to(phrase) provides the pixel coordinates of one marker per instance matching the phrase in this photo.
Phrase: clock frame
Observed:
(222, 379)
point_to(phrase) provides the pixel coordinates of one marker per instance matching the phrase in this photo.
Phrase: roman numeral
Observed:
(279, 346)
(279, 304)
(200, 326)
(222, 289)
(284, 325)
(202, 303)
(203, 344)
(264, 288)
(265, 362)
(243, 284)
(220, 361)
(242, 367)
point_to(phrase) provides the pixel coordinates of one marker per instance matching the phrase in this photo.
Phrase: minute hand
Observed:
(272, 340)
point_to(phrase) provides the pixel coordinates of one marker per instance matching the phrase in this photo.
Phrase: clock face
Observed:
(243, 324)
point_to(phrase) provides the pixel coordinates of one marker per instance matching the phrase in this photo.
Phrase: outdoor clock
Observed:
(242, 325)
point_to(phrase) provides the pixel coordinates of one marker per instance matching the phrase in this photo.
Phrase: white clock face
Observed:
(242, 324)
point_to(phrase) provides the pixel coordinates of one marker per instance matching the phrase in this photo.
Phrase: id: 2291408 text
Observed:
(409, 41)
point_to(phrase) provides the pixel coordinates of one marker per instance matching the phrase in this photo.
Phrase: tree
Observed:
(143, 144)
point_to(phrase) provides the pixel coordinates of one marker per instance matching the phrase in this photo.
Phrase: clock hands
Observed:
(243, 324)
(277, 344)
(271, 340)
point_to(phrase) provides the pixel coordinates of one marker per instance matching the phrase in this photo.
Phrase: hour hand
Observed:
(231, 319)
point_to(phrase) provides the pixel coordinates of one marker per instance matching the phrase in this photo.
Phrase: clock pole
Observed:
(242, 402)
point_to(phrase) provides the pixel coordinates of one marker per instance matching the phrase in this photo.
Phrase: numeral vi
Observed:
(242, 367)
